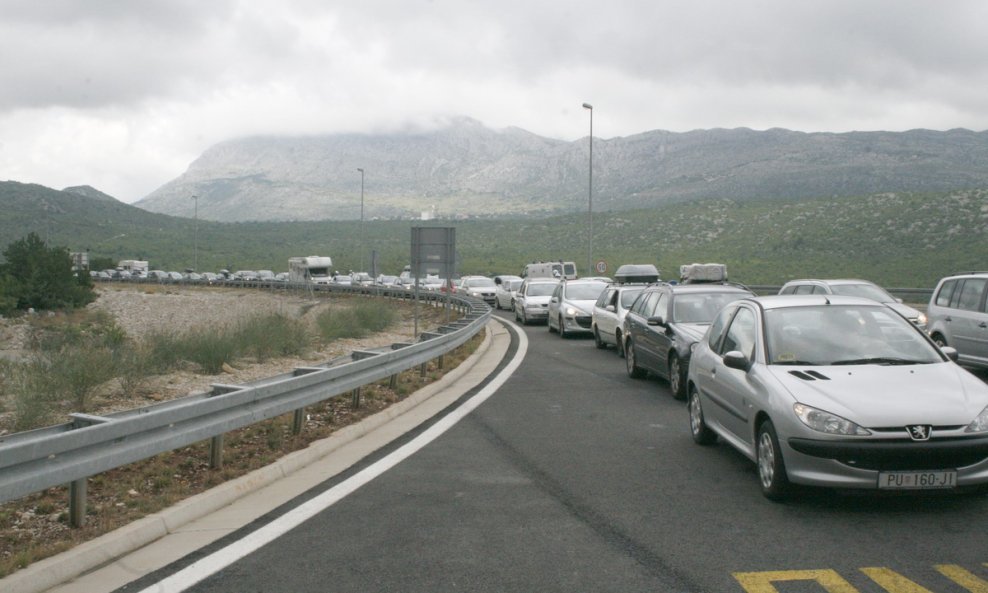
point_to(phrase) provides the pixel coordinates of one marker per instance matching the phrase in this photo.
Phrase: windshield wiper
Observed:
(878, 360)
(796, 363)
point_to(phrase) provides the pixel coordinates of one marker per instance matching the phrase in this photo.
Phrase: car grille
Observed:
(584, 321)
(898, 454)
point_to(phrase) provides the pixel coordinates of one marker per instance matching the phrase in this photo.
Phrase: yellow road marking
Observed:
(761, 582)
(963, 577)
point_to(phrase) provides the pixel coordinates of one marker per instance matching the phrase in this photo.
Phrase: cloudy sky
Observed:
(124, 94)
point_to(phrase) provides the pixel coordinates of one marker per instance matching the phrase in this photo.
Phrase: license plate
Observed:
(917, 480)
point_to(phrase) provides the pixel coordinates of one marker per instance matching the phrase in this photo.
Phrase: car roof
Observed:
(831, 281)
(702, 287)
(780, 301)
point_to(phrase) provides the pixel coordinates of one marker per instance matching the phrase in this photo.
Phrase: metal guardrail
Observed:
(69, 453)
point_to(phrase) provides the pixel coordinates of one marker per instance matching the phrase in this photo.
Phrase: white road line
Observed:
(203, 568)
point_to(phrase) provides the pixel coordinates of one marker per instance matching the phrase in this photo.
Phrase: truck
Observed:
(556, 269)
(315, 269)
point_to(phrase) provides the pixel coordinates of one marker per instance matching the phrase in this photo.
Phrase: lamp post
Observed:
(589, 107)
(361, 219)
(195, 243)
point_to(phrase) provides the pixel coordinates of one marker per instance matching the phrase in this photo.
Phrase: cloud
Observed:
(125, 95)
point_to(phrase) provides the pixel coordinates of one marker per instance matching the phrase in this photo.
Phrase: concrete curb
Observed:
(53, 571)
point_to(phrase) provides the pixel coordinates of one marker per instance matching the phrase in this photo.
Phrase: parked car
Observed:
(507, 288)
(837, 391)
(571, 306)
(854, 287)
(480, 287)
(958, 317)
(532, 299)
(609, 310)
(663, 324)
(361, 279)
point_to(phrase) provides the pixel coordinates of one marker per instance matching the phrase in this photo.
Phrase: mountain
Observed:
(466, 169)
(90, 192)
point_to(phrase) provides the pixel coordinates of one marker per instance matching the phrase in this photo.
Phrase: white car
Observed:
(532, 299)
(609, 312)
(855, 287)
(504, 294)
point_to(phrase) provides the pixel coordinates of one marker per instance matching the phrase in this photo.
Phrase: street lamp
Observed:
(361, 219)
(590, 198)
(195, 248)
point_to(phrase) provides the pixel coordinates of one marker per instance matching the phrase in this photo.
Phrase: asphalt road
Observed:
(573, 477)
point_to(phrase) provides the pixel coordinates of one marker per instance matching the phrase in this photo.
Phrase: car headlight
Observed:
(980, 423)
(921, 319)
(826, 422)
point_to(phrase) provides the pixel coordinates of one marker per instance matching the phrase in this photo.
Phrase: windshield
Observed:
(868, 291)
(844, 335)
(514, 285)
(480, 283)
(588, 291)
(701, 307)
(540, 289)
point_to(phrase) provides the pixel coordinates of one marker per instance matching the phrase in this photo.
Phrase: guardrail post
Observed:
(297, 421)
(77, 488)
(355, 402)
(216, 452)
(77, 503)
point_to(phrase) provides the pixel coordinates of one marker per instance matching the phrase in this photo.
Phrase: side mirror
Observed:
(950, 352)
(609, 308)
(657, 320)
(735, 360)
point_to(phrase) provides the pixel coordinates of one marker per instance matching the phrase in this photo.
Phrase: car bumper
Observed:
(857, 464)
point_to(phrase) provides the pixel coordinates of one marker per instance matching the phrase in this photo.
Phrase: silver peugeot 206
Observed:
(840, 392)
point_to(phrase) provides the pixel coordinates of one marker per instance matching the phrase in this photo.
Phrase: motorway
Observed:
(572, 477)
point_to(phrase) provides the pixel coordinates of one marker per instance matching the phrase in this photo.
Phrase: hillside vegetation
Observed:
(896, 239)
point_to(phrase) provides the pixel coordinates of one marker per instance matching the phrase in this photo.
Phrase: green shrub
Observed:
(209, 349)
(356, 321)
(265, 336)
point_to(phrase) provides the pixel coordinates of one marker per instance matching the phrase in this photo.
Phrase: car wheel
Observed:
(629, 360)
(562, 328)
(677, 377)
(939, 340)
(520, 316)
(771, 467)
(702, 434)
(596, 339)
(497, 304)
(548, 324)
(619, 344)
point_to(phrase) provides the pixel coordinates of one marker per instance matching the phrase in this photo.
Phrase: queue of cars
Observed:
(831, 383)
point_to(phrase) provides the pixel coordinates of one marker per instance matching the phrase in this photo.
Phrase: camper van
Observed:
(557, 270)
(316, 269)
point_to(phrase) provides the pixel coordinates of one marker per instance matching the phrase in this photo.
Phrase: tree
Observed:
(37, 276)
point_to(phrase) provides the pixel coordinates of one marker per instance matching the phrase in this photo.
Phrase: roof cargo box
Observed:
(697, 273)
(636, 274)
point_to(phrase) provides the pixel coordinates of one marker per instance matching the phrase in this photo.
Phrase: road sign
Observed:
(600, 266)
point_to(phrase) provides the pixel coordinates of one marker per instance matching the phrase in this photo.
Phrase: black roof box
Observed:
(636, 274)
